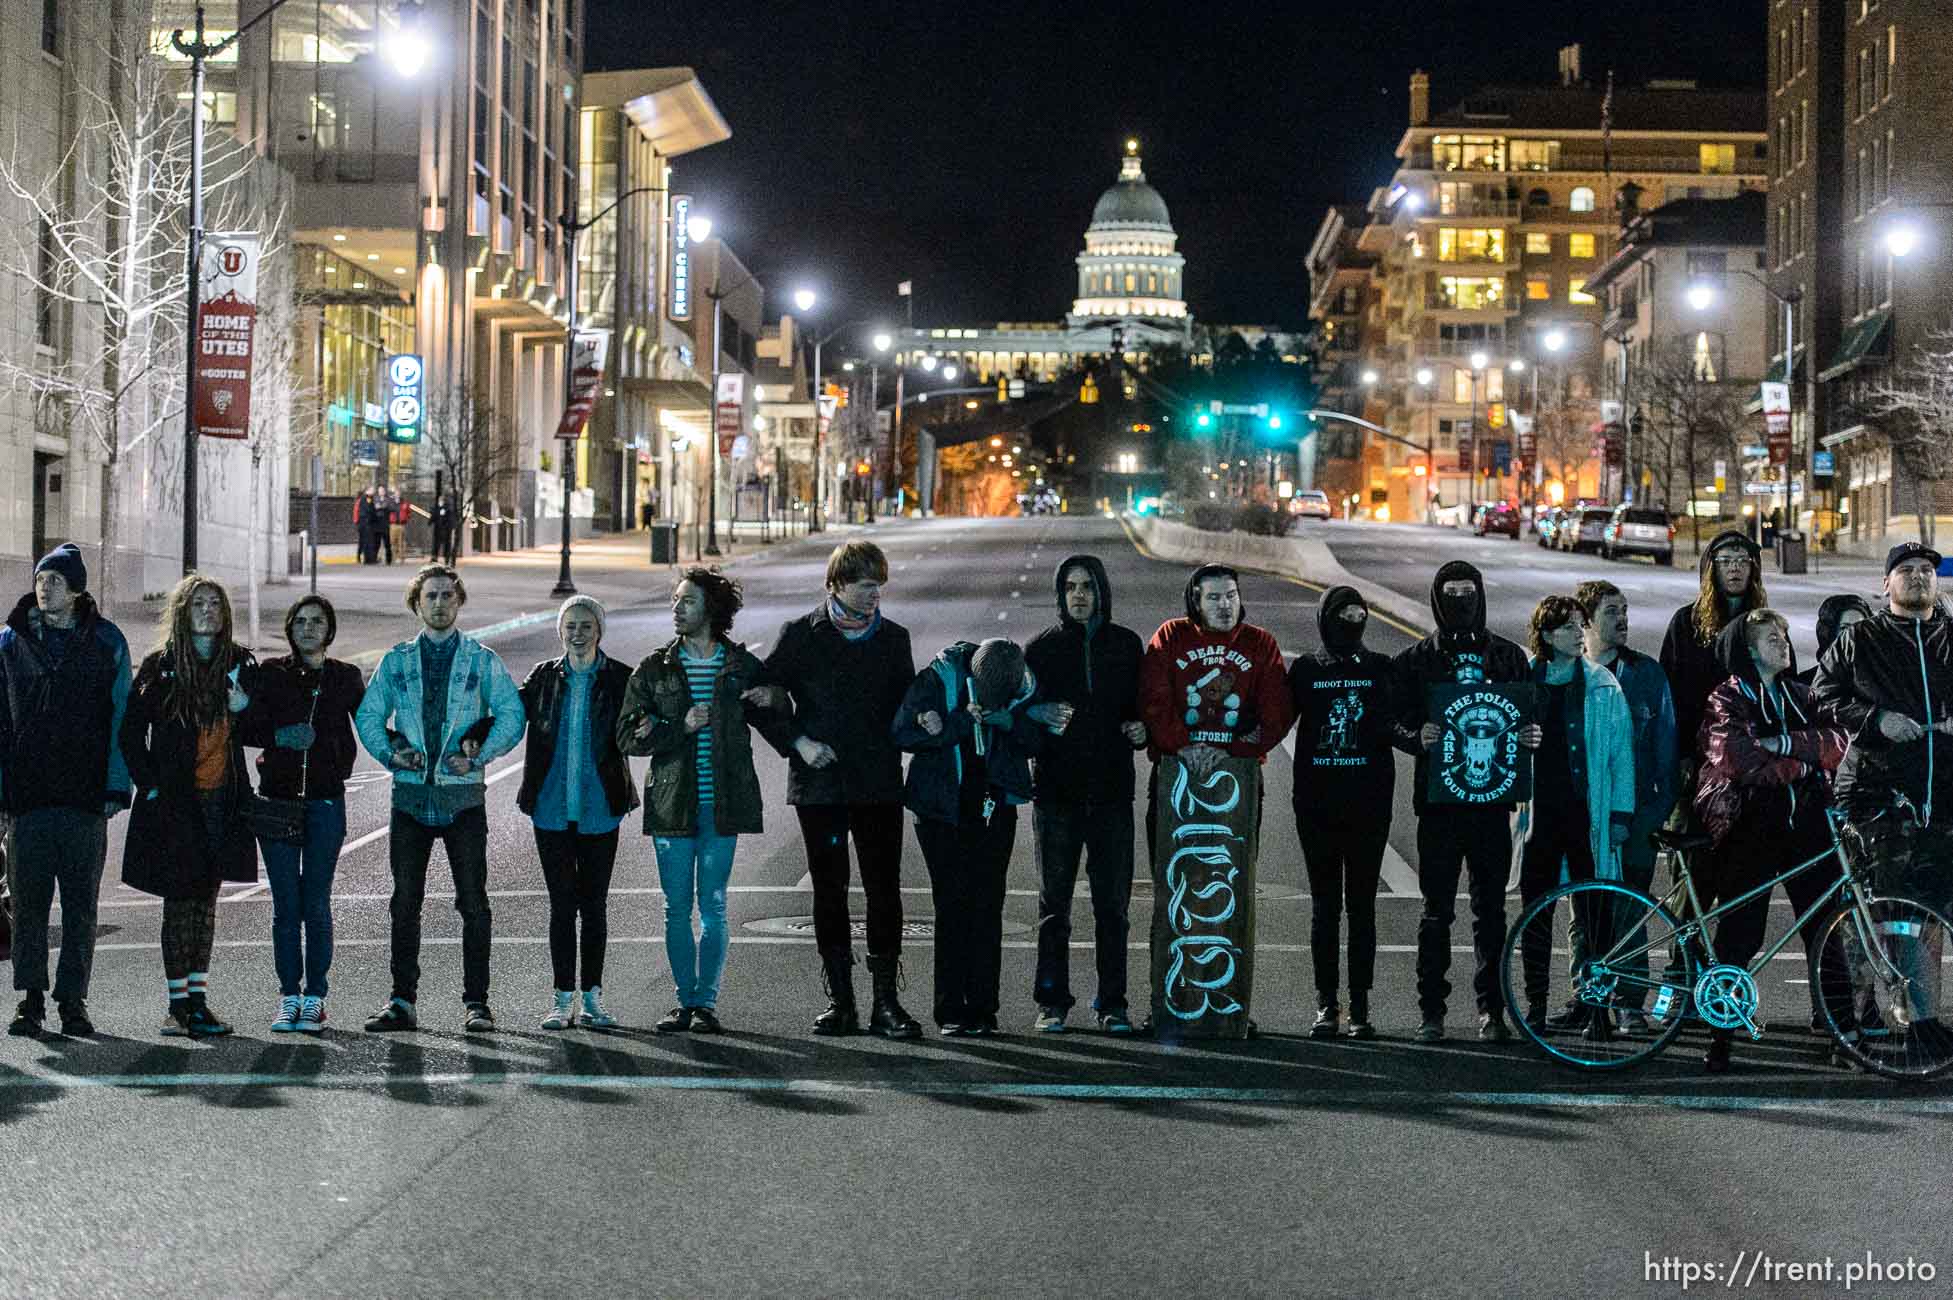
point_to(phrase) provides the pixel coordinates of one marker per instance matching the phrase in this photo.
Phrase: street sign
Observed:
(1776, 420)
(681, 257)
(406, 410)
(366, 451)
(1824, 463)
(375, 414)
(1722, 475)
(586, 378)
(227, 313)
(729, 411)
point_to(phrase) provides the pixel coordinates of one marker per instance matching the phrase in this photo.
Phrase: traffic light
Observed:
(1088, 392)
(1003, 388)
(1204, 420)
(1274, 422)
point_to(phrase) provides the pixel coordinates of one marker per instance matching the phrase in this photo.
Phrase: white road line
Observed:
(380, 834)
(1397, 872)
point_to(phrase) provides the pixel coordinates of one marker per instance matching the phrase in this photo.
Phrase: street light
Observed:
(1369, 378)
(1554, 339)
(698, 228)
(1700, 296)
(929, 363)
(1424, 377)
(949, 373)
(1901, 238)
(407, 50)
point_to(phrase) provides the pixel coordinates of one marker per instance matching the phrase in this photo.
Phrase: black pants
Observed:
(1559, 840)
(410, 846)
(65, 848)
(1103, 833)
(1754, 853)
(1344, 864)
(1478, 841)
(877, 832)
(576, 869)
(967, 866)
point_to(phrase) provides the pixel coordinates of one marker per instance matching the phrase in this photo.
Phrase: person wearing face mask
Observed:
(1476, 839)
(835, 680)
(1836, 616)
(576, 789)
(1345, 779)
(1731, 586)
(1761, 792)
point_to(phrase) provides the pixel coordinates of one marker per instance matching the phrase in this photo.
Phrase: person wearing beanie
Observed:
(64, 689)
(576, 789)
(1087, 669)
(1477, 839)
(966, 720)
(1731, 578)
(1345, 782)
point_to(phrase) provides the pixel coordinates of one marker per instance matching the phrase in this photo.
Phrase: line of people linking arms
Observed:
(1721, 731)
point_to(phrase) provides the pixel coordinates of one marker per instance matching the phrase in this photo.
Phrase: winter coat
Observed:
(1651, 712)
(61, 719)
(479, 688)
(845, 694)
(1904, 665)
(1691, 664)
(1459, 653)
(166, 853)
(1345, 775)
(1096, 671)
(936, 772)
(282, 694)
(543, 692)
(1600, 744)
(1739, 781)
(658, 690)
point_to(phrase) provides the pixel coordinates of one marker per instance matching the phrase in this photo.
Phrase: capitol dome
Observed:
(1131, 202)
(1130, 267)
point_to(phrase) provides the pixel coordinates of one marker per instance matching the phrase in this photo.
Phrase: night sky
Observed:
(962, 146)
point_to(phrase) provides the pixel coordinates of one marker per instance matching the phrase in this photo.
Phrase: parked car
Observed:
(1547, 522)
(1639, 530)
(1498, 517)
(1584, 529)
(1311, 503)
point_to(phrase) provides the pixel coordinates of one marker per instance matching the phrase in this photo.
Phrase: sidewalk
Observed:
(507, 590)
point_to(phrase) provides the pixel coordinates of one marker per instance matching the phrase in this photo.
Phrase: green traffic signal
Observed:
(1274, 422)
(1203, 421)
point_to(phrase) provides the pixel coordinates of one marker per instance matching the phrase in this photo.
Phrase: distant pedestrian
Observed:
(64, 689)
(301, 721)
(446, 525)
(1345, 784)
(419, 718)
(576, 787)
(842, 671)
(185, 749)
(1731, 586)
(366, 525)
(1087, 668)
(964, 721)
(397, 515)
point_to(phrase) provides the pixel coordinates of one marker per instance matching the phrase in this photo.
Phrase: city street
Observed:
(771, 1162)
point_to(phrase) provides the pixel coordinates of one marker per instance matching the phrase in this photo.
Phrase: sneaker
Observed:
(1536, 1018)
(30, 1017)
(704, 1021)
(981, 1027)
(1574, 1015)
(1325, 1025)
(1634, 1022)
(176, 1021)
(311, 1015)
(1359, 1027)
(479, 1019)
(1493, 1029)
(677, 1021)
(202, 1022)
(397, 1014)
(1431, 1031)
(1115, 1022)
(1051, 1020)
(594, 1014)
(74, 1018)
(562, 1012)
(1600, 1027)
(288, 1009)
(954, 1029)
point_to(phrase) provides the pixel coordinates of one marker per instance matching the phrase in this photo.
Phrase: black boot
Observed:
(886, 1018)
(837, 976)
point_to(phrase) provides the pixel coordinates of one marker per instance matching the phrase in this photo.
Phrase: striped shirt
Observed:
(702, 679)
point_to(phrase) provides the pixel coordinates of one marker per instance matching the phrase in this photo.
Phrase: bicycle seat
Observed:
(1685, 841)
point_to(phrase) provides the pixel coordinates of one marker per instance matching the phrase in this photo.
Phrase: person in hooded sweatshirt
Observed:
(964, 718)
(1761, 792)
(1345, 779)
(1478, 838)
(1731, 586)
(1087, 669)
(1836, 616)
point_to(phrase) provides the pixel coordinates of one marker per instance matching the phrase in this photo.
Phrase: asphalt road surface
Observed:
(769, 1162)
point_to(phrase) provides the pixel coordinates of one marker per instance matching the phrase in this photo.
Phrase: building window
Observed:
(1704, 362)
(1581, 200)
(1471, 293)
(51, 27)
(1885, 182)
(1535, 155)
(1707, 264)
(1539, 289)
(1891, 58)
(1576, 292)
(1539, 244)
(1798, 29)
(1866, 87)
(1132, 282)
(1461, 386)
(1456, 245)
(1783, 58)
(1459, 153)
(45, 273)
(1579, 245)
(1883, 88)
(1717, 159)
(1861, 200)
(1783, 146)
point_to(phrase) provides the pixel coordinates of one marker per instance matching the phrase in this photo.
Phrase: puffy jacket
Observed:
(1096, 671)
(542, 702)
(1903, 665)
(658, 690)
(1344, 705)
(844, 694)
(61, 720)
(479, 687)
(935, 778)
(1460, 652)
(1739, 782)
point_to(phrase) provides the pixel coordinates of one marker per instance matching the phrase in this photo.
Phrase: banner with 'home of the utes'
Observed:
(227, 312)
(1205, 834)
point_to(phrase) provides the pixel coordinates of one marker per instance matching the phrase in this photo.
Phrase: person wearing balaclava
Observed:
(1837, 615)
(1731, 586)
(1345, 781)
(965, 719)
(1475, 840)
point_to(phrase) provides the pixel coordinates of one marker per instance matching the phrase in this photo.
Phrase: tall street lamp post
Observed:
(1479, 361)
(1424, 378)
(700, 229)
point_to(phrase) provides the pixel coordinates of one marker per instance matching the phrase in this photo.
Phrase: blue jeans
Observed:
(696, 868)
(300, 872)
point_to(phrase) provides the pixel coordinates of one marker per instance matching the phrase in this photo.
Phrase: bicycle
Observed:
(1879, 967)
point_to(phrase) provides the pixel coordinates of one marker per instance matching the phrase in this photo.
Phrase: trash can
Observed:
(664, 541)
(1791, 553)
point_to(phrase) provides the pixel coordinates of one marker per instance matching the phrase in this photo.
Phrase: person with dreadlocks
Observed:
(1731, 586)
(185, 751)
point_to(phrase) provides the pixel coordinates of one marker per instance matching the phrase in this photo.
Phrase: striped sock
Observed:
(179, 989)
(199, 983)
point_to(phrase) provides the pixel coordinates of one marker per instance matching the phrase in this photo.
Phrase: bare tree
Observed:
(1565, 440)
(1691, 418)
(473, 446)
(1910, 407)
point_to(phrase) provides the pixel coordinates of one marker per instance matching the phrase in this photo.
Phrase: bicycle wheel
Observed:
(1882, 989)
(1595, 975)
